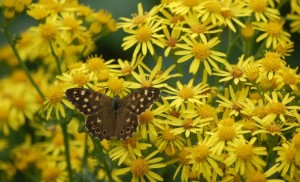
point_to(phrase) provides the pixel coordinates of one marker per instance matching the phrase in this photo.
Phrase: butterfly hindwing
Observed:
(127, 122)
(87, 101)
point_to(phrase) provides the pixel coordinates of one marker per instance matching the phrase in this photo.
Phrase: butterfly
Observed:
(109, 117)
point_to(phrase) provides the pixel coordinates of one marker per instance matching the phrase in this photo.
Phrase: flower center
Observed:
(143, 34)
(257, 177)
(80, 79)
(115, 84)
(171, 42)
(48, 32)
(182, 156)
(55, 95)
(168, 136)
(258, 5)
(206, 111)
(186, 92)
(198, 29)
(71, 23)
(227, 133)
(146, 117)
(236, 72)
(274, 128)
(139, 19)
(277, 108)
(201, 153)
(201, 51)
(271, 61)
(95, 64)
(274, 28)
(190, 3)
(290, 154)
(19, 103)
(244, 152)
(213, 6)
(187, 123)
(139, 167)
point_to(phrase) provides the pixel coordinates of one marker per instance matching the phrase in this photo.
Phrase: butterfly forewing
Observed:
(141, 100)
(87, 101)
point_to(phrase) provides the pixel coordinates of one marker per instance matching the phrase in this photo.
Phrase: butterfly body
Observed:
(111, 117)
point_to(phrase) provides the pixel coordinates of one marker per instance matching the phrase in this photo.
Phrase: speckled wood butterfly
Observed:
(109, 117)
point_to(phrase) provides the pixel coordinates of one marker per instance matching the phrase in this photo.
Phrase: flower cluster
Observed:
(228, 107)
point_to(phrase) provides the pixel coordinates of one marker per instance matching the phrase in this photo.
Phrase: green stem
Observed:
(67, 150)
(21, 63)
(99, 150)
(58, 63)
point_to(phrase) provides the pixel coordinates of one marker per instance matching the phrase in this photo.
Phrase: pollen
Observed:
(176, 19)
(50, 174)
(139, 19)
(167, 135)
(19, 103)
(200, 152)
(182, 156)
(227, 133)
(187, 123)
(274, 128)
(130, 141)
(171, 42)
(95, 63)
(276, 108)
(55, 95)
(80, 79)
(260, 112)
(274, 28)
(146, 117)
(272, 61)
(258, 5)
(126, 70)
(236, 72)
(143, 34)
(72, 23)
(213, 6)
(48, 32)
(201, 51)
(147, 83)
(289, 77)
(244, 152)
(139, 167)
(186, 92)
(257, 176)
(291, 154)
(103, 74)
(226, 13)
(115, 84)
(190, 3)
(175, 114)
(198, 29)
(206, 111)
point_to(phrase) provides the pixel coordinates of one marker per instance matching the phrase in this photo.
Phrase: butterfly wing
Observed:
(87, 101)
(102, 125)
(131, 107)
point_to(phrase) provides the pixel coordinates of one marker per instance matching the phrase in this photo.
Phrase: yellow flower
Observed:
(244, 156)
(144, 37)
(204, 162)
(5, 123)
(210, 11)
(121, 150)
(141, 168)
(170, 40)
(262, 11)
(294, 16)
(52, 171)
(286, 159)
(263, 176)
(274, 33)
(235, 72)
(235, 104)
(184, 6)
(187, 93)
(200, 51)
(127, 68)
(281, 108)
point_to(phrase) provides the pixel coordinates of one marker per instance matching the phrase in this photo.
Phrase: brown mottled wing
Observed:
(102, 125)
(131, 107)
(87, 101)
